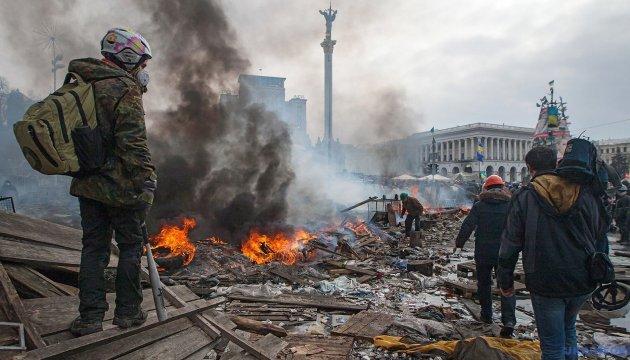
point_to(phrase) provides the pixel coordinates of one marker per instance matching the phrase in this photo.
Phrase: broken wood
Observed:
(365, 325)
(318, 302)
(74, 346)
(210, 326)
(14, 310)
(39, 231)
(258, 327)
(28, 280)
(416, 239)
(424, 267)
(352, 268)
(370, 199)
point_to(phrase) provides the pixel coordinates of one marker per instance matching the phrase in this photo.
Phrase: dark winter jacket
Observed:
(553, 259)
(622, 209)
(412, 206)
(487, 219)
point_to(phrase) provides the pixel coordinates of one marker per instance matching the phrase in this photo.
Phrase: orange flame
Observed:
(283, 247)
(359, 228)
(174, 240)
(216, 241)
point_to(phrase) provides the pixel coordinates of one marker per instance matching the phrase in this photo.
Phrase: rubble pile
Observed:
(358, 291)
(366, 280)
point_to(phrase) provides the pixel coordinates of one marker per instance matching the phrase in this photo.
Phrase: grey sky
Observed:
(444, 63)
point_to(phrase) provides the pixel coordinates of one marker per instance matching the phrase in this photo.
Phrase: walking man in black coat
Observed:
(487, 219)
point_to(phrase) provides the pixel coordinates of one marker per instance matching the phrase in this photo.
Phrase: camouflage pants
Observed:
(99, 221)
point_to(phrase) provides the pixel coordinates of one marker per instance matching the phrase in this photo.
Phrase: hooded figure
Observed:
(554, 260)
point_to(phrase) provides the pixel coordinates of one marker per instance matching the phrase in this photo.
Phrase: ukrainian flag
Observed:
(480, 151)
(552, 116)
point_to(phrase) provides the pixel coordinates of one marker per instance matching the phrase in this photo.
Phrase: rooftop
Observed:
(612, 141)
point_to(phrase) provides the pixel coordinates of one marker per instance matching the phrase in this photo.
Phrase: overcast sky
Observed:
(404, 66)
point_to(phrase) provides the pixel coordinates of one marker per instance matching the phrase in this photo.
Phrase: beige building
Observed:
(608, 148)
(455, 152)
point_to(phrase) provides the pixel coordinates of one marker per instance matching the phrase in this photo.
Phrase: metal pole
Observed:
(156, 286)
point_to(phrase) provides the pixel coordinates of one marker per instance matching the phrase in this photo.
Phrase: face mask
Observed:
(143, 79)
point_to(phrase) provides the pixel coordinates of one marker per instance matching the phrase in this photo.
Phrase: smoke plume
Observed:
(228, 165)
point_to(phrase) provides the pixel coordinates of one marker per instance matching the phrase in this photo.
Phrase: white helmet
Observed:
(125, 47)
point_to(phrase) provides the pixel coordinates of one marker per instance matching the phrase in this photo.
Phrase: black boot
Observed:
(81, 327)
(130, 320)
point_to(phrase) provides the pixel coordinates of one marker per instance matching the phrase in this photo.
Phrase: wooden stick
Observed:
(258, 327)
(14, 309)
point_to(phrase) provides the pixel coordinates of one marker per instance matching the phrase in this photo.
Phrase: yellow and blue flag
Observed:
(480, 151)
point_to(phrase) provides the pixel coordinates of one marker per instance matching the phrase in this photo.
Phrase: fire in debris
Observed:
(285, 247)
(173, 242)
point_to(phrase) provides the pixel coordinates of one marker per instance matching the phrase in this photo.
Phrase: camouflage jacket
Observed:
(127, 178)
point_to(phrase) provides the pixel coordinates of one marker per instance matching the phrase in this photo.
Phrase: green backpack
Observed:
(58, 135)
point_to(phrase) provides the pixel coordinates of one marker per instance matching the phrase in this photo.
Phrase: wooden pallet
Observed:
(365, 325)
(276, 313)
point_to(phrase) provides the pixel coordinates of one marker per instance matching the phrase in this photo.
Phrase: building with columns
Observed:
(610, 147)
(455, 152)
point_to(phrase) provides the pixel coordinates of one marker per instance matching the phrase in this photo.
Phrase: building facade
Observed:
(609, 148)
(269, 91)
(454, 152)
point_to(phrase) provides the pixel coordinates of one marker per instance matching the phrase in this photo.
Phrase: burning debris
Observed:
(172, 244)
(285, 247)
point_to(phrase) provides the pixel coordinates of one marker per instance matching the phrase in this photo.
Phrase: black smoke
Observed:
(228, 166)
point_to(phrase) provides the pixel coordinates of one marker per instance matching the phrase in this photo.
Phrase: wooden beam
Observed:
(14, 309)
(74, 346)
(40, 231)
(211, 326)
(258, 327)
(318, 303)
(38, 254)
(39, 286)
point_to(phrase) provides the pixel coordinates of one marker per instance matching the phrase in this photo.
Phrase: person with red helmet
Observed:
(487, 220)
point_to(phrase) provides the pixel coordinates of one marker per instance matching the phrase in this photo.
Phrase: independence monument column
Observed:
(327, 45)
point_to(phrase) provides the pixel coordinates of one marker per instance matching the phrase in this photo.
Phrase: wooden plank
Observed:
(29, 280)
(177, 346)
(284, 273)
(201, 353)
(365, 325)
(353, 268)
(335, 347)
(40, 231)
(65, 289)
(77, 345)
(320, 303)
(51, 315)
(210, 326)
(272, 344)
(130, 343)
(27, 252)
(14, 310)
